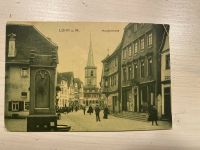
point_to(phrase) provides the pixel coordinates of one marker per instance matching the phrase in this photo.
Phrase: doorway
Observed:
(167, 103)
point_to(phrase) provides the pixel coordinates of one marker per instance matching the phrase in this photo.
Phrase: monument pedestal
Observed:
(37, 123)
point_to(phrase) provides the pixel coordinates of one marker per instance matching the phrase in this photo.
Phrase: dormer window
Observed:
(11, 45)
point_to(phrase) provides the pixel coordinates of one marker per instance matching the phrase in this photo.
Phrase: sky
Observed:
(73, 39)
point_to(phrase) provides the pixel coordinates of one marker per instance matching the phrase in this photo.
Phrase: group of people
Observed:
(97, 112)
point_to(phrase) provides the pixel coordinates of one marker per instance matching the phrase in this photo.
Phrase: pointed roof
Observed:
(90, 61)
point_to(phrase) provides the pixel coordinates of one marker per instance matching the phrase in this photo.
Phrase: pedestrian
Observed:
(76, 108)
(105, 112)
(90, 110)
(97, 111)
(153, 115)
(84, 109)
(72, 108)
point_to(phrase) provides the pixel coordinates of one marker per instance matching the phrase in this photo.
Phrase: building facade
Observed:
(140, 67)
(63, 94)
(166, 79)
(19, 47)
(111, 79)
(91, 91)
(71, 90)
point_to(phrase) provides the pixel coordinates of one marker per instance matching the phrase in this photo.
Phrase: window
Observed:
(24, 94)
(124, 53)
(114, 78)
(124, 74)
(129, 50)
(142, 69)
(16, 105)
(89, 82)
(149, 66)
(111, 79)
(27, 105)
(106, 83)
(129, 72)
(135, 27)
(149, 39)
(167, 57)
(135, 70)
(24, 72)
(11, 45)
(115, 62)
(135, 47)
(142, 43)
(92, 73)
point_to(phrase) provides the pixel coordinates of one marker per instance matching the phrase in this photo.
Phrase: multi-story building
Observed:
(69, 89)
(63, 94)
(91, 91)
(19, 45)
(78, 91)
(166, 78)
(111, 80)
(140, 66)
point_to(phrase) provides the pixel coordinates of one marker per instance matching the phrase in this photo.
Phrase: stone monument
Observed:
(42, 114)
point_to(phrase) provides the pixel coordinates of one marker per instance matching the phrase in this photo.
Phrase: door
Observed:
(135, 100)
(124, 100)
(167, 103)
(113, 103)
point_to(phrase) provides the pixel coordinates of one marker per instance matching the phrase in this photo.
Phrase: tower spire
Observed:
(90, 61)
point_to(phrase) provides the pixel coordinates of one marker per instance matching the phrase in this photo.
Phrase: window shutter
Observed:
(21, 105)
(10, 106)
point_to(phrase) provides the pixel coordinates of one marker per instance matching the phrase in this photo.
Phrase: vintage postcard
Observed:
(87, 76)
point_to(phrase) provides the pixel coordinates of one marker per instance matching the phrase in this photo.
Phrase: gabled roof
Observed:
(78, 81)
(67, 76)
(28, 38)
(114, 52)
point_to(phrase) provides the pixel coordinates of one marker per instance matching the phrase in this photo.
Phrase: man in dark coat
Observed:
(105, 112)
(153, 115)
(90, 110)
(97, 111)
(84, 109)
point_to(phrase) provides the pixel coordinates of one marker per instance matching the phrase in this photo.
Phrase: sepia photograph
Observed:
(87, 76)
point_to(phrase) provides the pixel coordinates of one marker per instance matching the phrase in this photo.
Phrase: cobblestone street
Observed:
(80, 122)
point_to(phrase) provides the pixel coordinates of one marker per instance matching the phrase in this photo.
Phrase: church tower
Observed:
(91, 91)
(90, 69)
